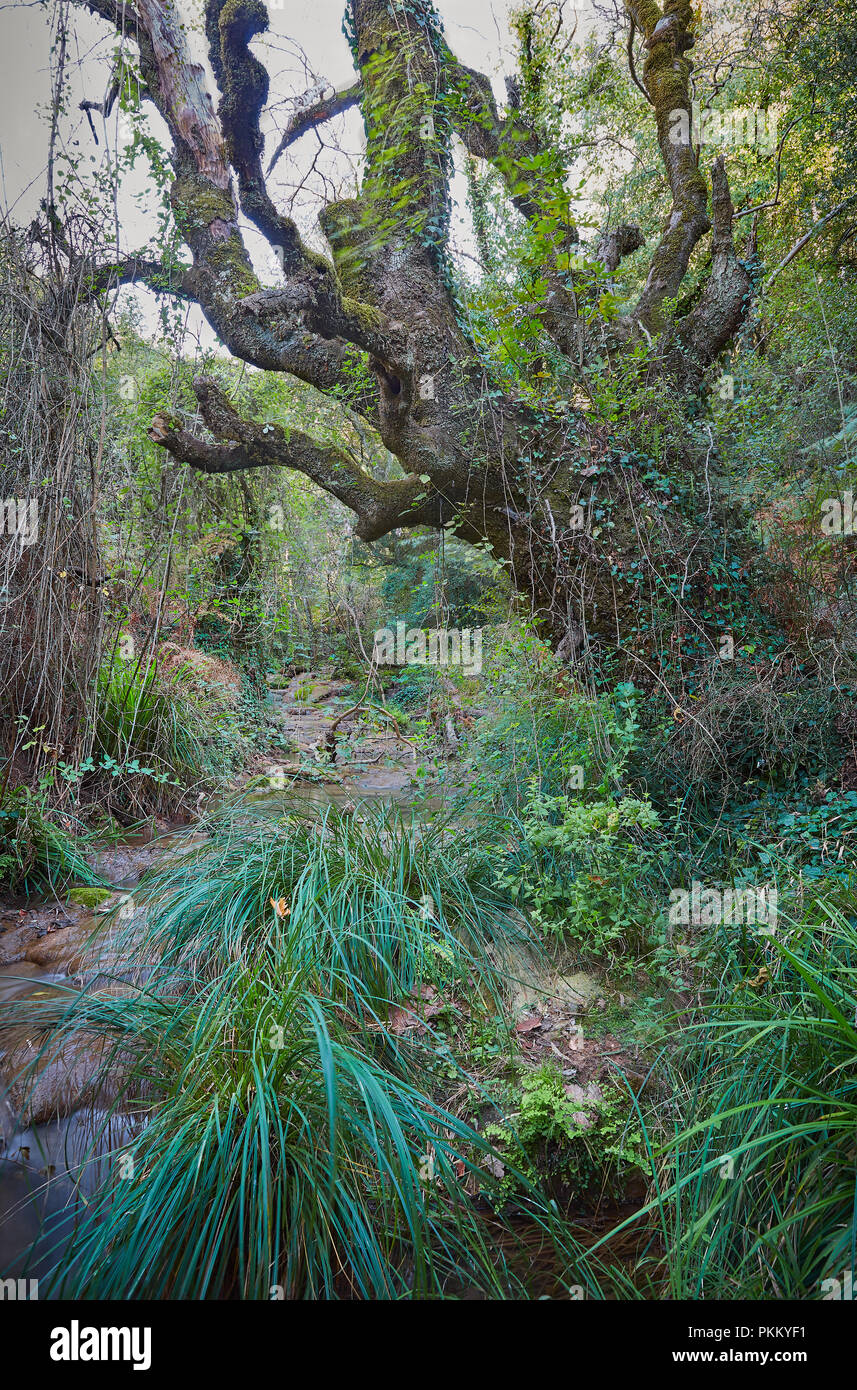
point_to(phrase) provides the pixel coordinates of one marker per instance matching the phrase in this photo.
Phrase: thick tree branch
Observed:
(184, 101)
(312, 296)
(614, 246)
(725, 298)
(390, 245)
(666, 77)
(231, 25)
(535, 180)
(533, 175)
(310, 343)
(380, 506)
(140, 270)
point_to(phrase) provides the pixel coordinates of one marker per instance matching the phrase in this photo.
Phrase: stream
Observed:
(53, 1142)
(50, 1158)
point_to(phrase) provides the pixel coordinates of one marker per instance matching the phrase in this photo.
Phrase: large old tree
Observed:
(476, 457)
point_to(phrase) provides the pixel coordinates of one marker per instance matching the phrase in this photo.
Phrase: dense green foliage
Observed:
(353, 1042)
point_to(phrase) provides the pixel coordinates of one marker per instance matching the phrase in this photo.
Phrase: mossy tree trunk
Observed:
(476, 458)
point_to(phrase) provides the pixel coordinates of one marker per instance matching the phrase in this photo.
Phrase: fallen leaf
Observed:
(528, 1025)
(279, 906)
(401, 1020)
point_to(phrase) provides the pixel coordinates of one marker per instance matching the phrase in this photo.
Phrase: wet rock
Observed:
(55, 952)
(33, 924)
(123, 864)
(42, 1088)
(15, 941)
(86, 895)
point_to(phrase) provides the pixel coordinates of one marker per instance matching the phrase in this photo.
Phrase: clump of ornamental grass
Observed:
(367, 905)
(756, 1191)
(41, 848)
(282, 1159)
(152, 737)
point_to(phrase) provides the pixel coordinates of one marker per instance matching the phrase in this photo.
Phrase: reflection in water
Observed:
(47, 1173)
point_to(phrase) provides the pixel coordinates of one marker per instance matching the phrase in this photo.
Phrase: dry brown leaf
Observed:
(528, 1025)
(401, 1020)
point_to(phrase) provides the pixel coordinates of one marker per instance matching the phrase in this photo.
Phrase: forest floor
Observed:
(556, 1012)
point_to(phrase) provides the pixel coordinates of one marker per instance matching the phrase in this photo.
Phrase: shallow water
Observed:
(23, 980)
(48, 1170)
(47, 1173)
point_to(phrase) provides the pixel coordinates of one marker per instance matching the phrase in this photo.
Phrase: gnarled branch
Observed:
(534, 178)
(614, 245)
(242, 444)
(666, 77)
(725, 298)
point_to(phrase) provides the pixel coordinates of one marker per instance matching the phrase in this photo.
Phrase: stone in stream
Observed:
(61, 947)
(88, 947)
(86, 895)
(39, 1084)
(44, 1082)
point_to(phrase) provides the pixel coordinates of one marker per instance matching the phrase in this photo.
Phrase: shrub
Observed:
(581, 870)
